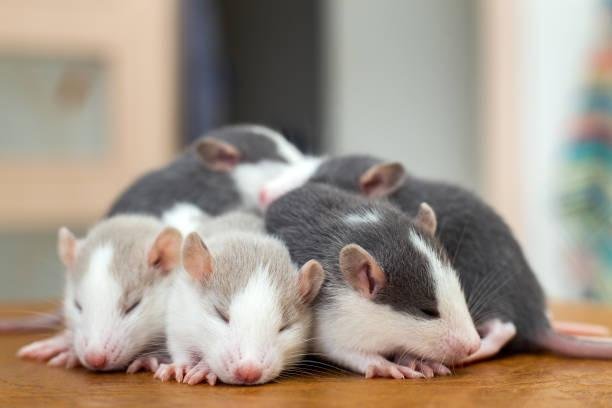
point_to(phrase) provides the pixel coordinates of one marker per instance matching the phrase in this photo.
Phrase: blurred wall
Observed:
(401, 83)
(556, 37)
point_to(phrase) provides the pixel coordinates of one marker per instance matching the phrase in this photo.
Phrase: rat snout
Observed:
(248, 373)
(461, 348)
(265, 198)
(95, 358)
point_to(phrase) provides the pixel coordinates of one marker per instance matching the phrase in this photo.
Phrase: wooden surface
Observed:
(535, 381)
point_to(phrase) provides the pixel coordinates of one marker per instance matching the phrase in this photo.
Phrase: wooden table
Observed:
(526, 380)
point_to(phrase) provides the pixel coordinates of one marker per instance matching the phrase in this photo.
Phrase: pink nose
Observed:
(263, 198)
(96, 359)
(248, 373)
(461, 348)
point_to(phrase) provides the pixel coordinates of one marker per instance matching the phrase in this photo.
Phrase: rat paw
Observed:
(143, 364)
(166, 372)
(388, 369)
(198, 373)
(66, 359)
(429, 369)
(44, 350)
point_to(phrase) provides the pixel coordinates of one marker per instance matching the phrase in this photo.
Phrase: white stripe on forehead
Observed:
(257, 304)
(364, 217)
(285, 149)
(99, 287)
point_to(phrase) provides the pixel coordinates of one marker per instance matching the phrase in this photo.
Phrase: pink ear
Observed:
(165, 252)
(361, 270)
(382, 179)
(218, 155)
(197, 259)
(310, 280)
(426, 219)
(67, 247)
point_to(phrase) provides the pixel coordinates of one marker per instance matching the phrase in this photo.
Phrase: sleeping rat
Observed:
(239, 311)
(506, 301)
(118, 277)
(391, 304)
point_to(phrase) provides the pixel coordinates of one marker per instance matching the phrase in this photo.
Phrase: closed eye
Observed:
(132, 307)
(78, 305)
(284, 327)
(222, 315)
(431, 313)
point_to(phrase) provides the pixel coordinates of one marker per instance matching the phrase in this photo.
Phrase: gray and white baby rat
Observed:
(391, 304)
(222, 170)
(505, 299)
(118, 278)
(240, 309)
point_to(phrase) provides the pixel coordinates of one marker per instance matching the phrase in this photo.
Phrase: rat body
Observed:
(391, 304)
(118, 277)
(505, 299)
(222, 170)
(239, 311)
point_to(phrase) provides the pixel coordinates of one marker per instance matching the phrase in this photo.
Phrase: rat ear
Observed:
(426, 219)
(217, 155)
(310, 279)
(361, 270)
(67, 247)
(382, 179)
(197, 260)
(165, 252)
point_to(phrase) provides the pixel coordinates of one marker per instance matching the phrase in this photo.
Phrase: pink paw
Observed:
(166, 372)
(388, 369)
(429, 369)
(143, 364)
(198, 373)
(66, 359)
(47, 349)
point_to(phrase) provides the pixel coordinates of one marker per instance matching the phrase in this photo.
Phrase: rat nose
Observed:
(248, 373)
(461, 348)
(96, 359)
(263, 198)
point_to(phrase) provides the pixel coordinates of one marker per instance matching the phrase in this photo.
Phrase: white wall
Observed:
(555, 39)
(401, 83)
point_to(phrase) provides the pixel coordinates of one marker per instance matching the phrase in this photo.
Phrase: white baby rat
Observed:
(240, 310)
(118, 277)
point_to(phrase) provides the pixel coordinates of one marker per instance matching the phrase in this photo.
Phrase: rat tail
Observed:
(31, 324)
(571, 346)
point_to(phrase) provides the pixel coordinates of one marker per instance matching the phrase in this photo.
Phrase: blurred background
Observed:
(512, 99)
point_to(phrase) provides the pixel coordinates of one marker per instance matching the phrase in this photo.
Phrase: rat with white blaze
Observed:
(240, 309)
(391, 304)
(117, 279)
(505, 299)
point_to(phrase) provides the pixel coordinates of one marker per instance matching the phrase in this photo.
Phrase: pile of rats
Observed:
(244, 256)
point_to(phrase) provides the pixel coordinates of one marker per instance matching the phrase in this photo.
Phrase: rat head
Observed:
(356, 173)
(255, 320)
(117, 279)
(404, 283)
(250, 154)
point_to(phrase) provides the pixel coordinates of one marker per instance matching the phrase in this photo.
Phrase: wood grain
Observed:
(526, 380)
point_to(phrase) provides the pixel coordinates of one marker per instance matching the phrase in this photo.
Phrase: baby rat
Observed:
(118, 277)
(224, 169)
(391, 304)
(506, 301)
(240, 309)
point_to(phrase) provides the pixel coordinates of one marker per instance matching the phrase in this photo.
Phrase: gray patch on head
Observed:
(130, 237)
(254, 146)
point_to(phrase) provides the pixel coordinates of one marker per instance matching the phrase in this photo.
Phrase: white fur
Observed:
(365, 217)
(184, 217)
(251, 177)
(291, 178)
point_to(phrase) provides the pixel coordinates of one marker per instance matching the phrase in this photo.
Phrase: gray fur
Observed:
(187, 179)
(496, 278)
(311, 221)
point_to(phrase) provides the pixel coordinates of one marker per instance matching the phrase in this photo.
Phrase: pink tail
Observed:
(600, 348)
(31, 324)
